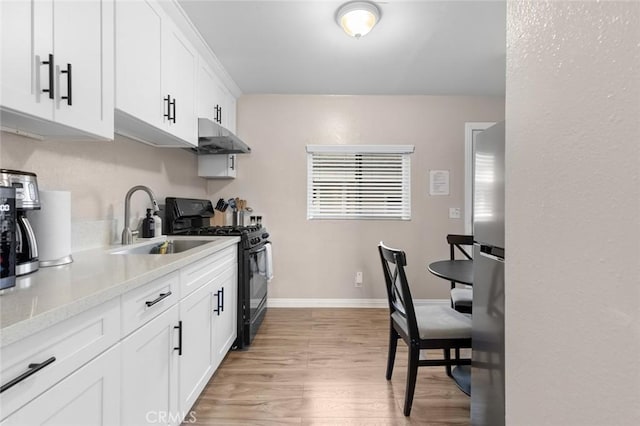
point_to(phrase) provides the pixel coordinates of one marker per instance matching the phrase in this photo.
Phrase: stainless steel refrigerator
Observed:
(487, 365)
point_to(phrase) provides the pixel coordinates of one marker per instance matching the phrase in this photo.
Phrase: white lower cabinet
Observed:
(90, 396)
(196, 361)
(224, 327)
(150, 358)
(208, 329)
(142, 358)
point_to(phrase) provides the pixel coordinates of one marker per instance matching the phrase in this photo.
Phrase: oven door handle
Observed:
(258, 249)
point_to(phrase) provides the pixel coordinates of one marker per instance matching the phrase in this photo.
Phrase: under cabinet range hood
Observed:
(215, 139)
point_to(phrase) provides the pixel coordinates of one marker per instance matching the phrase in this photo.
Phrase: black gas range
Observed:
(250, 236)
(191, 217)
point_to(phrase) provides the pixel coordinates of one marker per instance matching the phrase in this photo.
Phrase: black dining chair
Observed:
(461, 297)
(421, 327)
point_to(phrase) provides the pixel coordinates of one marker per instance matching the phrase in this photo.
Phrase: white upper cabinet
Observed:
(215, 101)
(208, 91)
(57, 68)
(155, 77)
(138, 61)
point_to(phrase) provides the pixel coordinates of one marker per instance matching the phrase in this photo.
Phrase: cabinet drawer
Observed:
(199, 273)
(89, 396)
(147, 302)
(67, 345)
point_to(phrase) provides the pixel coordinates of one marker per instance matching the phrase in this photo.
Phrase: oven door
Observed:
(257, 296)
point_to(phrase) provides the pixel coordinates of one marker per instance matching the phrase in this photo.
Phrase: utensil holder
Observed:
(238, 218)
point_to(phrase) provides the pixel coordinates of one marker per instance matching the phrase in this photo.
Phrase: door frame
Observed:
(471, 129)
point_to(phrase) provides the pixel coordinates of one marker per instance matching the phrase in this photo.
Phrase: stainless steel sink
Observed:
(168, 247)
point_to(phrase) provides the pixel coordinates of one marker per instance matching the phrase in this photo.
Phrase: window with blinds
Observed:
(359, 182)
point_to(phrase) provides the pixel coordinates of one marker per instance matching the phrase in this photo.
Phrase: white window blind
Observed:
(359, 182)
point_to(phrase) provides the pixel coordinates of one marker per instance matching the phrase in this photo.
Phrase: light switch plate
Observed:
(454, 213)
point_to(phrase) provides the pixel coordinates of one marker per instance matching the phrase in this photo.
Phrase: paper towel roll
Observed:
(52, 226)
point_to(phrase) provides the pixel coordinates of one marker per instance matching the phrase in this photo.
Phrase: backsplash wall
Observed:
(99, 174)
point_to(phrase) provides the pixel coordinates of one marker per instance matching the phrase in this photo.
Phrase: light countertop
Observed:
(53, 294)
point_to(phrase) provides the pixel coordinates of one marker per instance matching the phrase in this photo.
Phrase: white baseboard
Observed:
(338, 303)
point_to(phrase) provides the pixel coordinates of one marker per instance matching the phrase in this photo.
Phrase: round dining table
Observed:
(460, 271)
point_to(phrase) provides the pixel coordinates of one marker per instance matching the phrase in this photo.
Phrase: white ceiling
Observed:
(424, 47)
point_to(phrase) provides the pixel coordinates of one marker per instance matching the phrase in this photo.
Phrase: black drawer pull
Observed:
(158, 299)
(50, 63)
(222, 299)
(68, 73)
(179, 348)
(173, 104)
(217, 309)
(33, 368)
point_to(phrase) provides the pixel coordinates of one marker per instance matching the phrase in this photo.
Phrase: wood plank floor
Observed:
(325, 367)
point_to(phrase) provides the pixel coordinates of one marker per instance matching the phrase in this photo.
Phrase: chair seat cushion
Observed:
(437, 321)
(462, 296)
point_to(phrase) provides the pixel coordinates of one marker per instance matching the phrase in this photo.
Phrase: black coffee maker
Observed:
(7, 237)
(27, 198)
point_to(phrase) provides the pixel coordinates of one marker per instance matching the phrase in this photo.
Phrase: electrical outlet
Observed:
(454, 213)
(358, 281)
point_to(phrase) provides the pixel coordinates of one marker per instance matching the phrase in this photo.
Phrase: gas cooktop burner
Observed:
(224, 230)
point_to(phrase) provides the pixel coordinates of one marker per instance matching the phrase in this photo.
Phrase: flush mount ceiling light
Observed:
(357, 18)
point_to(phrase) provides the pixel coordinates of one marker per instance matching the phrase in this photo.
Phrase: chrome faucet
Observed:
(127, 235)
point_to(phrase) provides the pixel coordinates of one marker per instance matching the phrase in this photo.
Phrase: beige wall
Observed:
(319, 259)
(573, 209)
(99, 174)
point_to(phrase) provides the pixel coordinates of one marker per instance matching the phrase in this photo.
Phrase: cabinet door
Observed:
(90, 396)
(208, 91)
(138, 61)
(196, 362)
(179, 67)
(217, 166)
(27, 41)
(225, 319)
(150, 372)
(228, 109)
(83, 34)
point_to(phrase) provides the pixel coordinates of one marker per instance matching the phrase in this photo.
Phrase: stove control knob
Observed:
(265, 235)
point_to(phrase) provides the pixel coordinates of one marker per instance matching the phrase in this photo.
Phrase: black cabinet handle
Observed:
(68, 73)
(173, 104)
(167, 114)
(33, 368)
(158, 299)
(219, 297)
(222, 299)
(233, 162)
(50, 63)
(179, 348)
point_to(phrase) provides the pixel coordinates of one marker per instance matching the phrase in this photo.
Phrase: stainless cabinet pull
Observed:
(33, 368)
(68, 73)
(179, 348)
(158, 299)
(50, 63)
